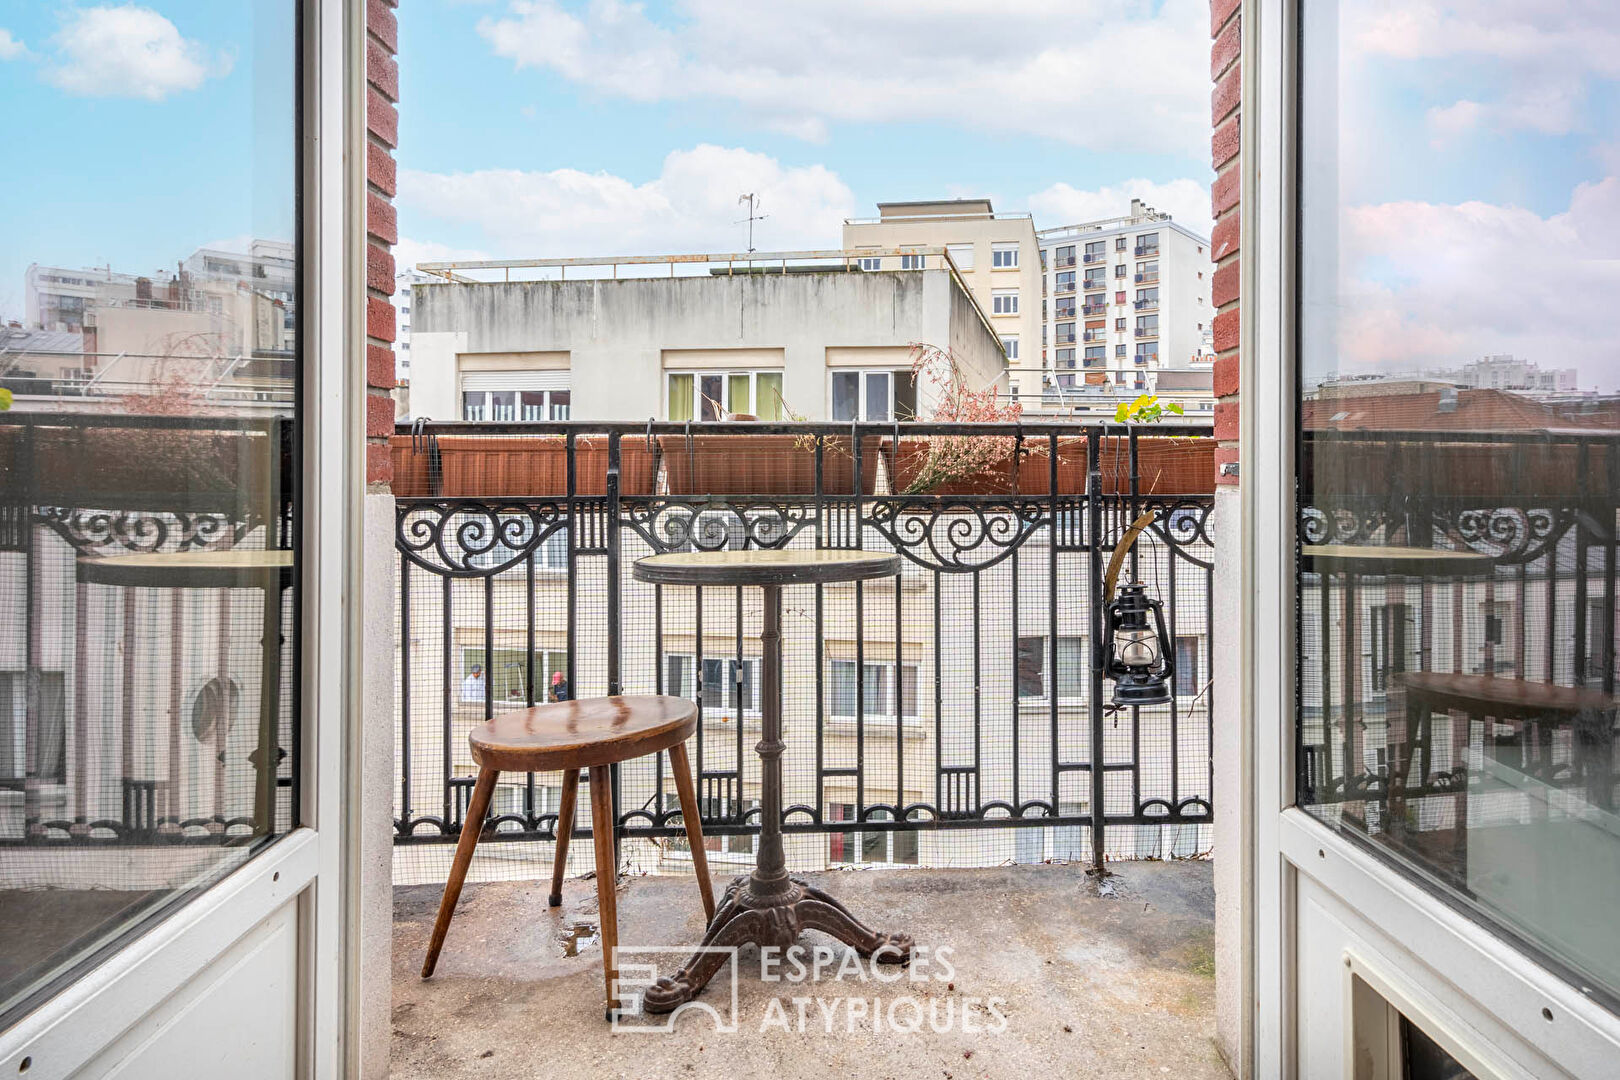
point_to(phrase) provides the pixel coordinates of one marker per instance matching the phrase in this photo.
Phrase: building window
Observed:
(1064, 334)
(868, 847)
(876, 692)
(1147, 353)
(1147, 326)
(1119, 351)
(1064, 307)
(1004, 302)
(1148, 272)
(1004, 256)
(50, 735)
(728, 684)
(1096, 251)
(1064, 256)
(1147, 298)
(505, 673)
(1034, 668)
(1064, 282)
(873, 395)
(1147, 244)
(1009, 345)
(913, 262)
(1065, 357)
(870, 262)
(1119, 298)
(511, 406)
(1119, 324)
(1096, 355)
(1097, 278)
(961, 255)
(712, 395)
(1119, 271)
(1119, 243)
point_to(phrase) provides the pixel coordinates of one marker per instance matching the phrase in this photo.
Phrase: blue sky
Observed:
(1473, 136)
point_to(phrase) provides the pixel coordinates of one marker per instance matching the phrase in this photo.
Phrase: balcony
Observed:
(1094, 335)
(1094, 257)
(1146, 305)
(1096, 307)
(1147, 279)
(1093, 284)
(1146, 252)
(1063, 261)
(1063, 288)
(532, 575)
(1147, 331)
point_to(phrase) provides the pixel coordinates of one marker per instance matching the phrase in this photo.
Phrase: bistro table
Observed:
(270, 571)
(767, 907)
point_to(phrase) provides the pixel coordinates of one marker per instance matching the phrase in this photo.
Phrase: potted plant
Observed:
(964, 464)
(745, 464)
(1165, 465)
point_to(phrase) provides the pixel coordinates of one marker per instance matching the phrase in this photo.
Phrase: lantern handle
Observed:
(1123, 549)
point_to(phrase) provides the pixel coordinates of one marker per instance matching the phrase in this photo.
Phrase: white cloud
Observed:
(1105, 74)
(691, 206)
(409, 252)
(1540, 56)
(1186, 201)
(1431, 285)
(10, 47)
(130, 51)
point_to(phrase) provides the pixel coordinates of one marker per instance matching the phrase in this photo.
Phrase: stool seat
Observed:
(583, 733)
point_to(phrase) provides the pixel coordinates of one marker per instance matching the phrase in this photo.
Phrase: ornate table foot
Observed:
(776, 920)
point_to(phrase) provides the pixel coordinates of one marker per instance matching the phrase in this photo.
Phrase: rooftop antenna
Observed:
(752, 201)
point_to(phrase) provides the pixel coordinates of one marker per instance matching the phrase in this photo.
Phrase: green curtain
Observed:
(737, 395)
(680, 397)
(768, 389)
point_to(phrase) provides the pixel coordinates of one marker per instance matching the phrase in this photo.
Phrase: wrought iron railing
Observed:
(962, 694)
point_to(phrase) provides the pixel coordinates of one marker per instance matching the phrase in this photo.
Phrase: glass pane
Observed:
(846, 395)
(147, 552)
(680, 397)
(532, 405)
(503, 406)
(711, 396)
(1457, 460)
(768, 395)
(1031, 666)
(738, 400)
(877, 395)
(560, 404)
(474, 405)
(905, 395)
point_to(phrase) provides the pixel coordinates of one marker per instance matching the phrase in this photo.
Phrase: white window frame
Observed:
(1047, 675)
(552, 410)
(1009, 345)
(908, 703)
(870, 262)
(725, 375)
(1004, 302)
(1004, 256)
(862, 398)
(729, 705)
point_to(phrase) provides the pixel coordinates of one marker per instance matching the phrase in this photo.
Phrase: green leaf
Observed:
(1177, 409)
(5, 399)
(1122, 413)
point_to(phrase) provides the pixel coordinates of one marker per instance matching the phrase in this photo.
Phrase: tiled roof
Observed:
(1476, 410)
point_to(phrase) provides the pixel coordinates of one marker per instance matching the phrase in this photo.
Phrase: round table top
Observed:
(766, 566)
(1505, 699)
(588, 731)
(232, 568)
(1374, 559)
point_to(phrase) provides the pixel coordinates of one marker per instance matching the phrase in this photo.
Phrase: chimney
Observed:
(1136, 208)
(143, 289)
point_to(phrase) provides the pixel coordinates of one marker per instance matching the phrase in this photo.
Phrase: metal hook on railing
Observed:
(650, 446)
(688, 440)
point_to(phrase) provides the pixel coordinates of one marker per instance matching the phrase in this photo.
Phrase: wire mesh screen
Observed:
(945, 716)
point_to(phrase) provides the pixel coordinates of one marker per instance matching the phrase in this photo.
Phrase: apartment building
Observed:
(997, 256)
(812, 334)
(1128, 297)
(404, 283)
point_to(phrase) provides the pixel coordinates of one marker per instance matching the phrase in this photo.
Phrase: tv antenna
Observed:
(752, 201)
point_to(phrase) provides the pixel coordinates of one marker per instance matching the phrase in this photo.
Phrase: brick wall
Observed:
(382, 136)
(1226, 116)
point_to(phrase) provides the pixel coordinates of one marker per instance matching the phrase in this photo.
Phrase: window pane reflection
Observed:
(1460, 458)
(148, 337)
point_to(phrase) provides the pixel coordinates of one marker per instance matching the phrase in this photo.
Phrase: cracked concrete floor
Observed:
(1119, 984)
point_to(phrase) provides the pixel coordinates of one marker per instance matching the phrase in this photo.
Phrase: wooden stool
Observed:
(593, 733)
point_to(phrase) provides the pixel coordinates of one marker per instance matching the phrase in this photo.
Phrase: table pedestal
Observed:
(767, 907)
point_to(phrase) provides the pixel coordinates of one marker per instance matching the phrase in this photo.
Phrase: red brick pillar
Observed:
(382, 136)
(1226, 70)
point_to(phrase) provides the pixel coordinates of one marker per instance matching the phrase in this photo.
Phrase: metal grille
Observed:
(946, 716)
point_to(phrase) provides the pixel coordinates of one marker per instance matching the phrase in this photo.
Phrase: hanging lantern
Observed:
(1136, 652)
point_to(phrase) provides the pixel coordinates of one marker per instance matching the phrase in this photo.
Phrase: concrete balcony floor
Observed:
(1113, 983)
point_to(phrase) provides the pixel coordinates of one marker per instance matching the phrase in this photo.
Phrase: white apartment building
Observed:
(58, 298)
(1124, 299)
(812, 334)
(404, 283)
(997, 255)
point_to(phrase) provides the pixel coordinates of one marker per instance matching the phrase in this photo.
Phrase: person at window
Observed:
(473, 686)
(559, 687)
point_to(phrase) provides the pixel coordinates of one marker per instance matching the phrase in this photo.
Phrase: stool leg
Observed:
(607, 877)
(477, 806)
(565, 827)
(682, 768)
